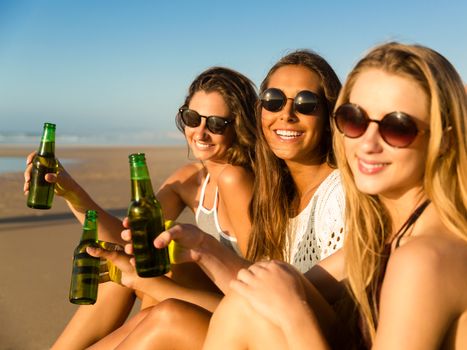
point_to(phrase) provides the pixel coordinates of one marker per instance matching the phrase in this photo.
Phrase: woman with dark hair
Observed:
(294, 157)
(297, 206)
(218, 121)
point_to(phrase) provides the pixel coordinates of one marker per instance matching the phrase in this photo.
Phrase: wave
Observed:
(102, 138)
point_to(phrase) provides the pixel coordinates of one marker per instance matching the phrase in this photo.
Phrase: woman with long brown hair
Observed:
(217, 119)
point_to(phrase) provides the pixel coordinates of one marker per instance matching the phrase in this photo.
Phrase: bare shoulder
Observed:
(233, 176)
(431, 261)
(440, 251)
(187, 174)
(423, 293)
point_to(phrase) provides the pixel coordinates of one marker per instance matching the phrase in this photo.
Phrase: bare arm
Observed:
(220, 263)
(328, 276)
(235, 192)
(159, 288)
(179, 191)
(78, 201)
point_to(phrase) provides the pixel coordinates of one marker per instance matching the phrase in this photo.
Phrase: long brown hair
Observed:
(240, 95)
(274, 190)
(367, 221)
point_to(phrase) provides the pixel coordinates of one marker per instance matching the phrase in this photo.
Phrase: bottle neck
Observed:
(89, 230)
(141, 186)
(47, 146)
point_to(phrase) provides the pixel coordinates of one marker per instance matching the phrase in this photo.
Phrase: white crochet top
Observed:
(318, 231)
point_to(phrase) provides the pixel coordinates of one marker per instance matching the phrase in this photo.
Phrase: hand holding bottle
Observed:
(64, 183)
(126, 273)
(126, 236)
(41, 192)
(184, 242)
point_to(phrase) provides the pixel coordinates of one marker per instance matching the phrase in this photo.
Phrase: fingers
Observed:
(51, 177)
(27, 172)
(95, 252)
(102, 253)
(256, 272)
(165, 237)
(129, 249)
(126, 222)
(30, 157)
(126, 235)
(27, 178)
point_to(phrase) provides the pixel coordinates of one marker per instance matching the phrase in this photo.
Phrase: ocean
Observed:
(142, 138)
(12, 164)
(18, 164)
(110, 138)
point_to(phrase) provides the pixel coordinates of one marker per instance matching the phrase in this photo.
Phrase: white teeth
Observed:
(373, 165)
(288, 133)
(202, 145)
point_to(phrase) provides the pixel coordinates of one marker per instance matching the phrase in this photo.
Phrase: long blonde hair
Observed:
(367, 222)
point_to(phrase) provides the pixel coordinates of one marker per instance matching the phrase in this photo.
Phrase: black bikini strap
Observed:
(410, 221)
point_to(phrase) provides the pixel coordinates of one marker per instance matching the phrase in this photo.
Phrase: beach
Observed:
(37, 245)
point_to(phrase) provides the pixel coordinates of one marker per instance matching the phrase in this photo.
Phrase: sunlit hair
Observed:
(239, 94)
(445, 179)
(275, 191)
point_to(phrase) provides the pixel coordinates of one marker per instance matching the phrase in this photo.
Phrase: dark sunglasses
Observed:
(192, 119)
(397, 129)
(305, 102)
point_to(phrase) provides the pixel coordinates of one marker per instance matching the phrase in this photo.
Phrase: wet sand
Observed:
(36, 245)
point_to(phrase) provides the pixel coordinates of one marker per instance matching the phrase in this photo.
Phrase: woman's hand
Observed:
(184, 242)
(64, 183)
(126, 236)
(273, 288)
(118, 259)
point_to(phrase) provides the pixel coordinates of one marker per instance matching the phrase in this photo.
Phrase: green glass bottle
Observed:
(146, 221)
(85, 273)
(41, 192)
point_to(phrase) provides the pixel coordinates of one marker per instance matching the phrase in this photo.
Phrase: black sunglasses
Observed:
(192, 119)
(305, 102)
(397, 129)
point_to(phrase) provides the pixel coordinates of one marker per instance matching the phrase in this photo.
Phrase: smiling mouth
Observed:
(202, 145)
(371, 168)
(288, 134)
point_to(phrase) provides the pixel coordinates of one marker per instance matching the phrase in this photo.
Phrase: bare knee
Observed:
(167, 312)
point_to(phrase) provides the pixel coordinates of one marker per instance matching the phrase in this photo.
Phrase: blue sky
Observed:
(114, 65)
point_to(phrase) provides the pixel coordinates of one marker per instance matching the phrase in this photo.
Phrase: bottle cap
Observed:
(137, 157)
(91, 214)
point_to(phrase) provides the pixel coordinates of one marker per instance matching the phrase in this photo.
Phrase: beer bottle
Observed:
(146, 221)
(41, 192)
(85, 273)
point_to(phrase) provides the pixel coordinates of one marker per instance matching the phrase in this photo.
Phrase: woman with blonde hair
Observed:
(400, 143)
